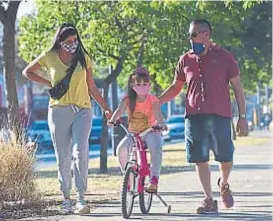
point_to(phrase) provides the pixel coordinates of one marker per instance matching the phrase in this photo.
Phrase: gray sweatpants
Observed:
(70, 127)
(153, 142)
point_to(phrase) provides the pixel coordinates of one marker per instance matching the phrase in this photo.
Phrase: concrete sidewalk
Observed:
(251, 182)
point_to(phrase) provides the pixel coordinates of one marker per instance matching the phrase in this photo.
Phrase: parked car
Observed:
(176, 127)
(96, 131)
(38, 132)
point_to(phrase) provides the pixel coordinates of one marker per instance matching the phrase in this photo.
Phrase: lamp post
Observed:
(114, 105)
(258, 104)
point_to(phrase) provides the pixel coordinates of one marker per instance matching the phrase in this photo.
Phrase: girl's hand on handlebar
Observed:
(110, 123)
(163, 126)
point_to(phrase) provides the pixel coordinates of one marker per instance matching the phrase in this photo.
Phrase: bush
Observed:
(17, 160)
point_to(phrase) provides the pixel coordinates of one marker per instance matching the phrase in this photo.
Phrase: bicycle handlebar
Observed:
(141, 134)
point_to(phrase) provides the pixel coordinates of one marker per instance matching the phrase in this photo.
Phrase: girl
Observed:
(143, 112)
(69, 114)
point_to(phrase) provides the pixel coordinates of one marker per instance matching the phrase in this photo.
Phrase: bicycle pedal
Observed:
(151, 191)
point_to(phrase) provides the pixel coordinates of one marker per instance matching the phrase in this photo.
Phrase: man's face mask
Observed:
(71, 48)
(198, 48)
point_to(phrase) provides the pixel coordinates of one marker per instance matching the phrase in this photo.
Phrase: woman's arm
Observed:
(29, 72)
(94, 92)
(119, 111)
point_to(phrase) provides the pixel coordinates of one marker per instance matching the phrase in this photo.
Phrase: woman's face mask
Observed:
(71, 48)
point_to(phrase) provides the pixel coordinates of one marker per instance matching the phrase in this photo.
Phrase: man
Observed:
(208, 69)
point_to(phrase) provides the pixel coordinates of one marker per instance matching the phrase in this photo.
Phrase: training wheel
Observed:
(169, 208)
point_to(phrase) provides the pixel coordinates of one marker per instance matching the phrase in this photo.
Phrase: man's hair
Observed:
(203, 24)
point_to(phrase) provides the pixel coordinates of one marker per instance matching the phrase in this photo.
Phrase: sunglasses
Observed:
(139, 84)
(194, 34)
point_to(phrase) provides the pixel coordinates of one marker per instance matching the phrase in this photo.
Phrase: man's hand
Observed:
(242, 127)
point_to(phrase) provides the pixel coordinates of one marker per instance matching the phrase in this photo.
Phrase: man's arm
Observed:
(242, 126)
(177, 85)
(157, 112)
(239, 94)
(171, 92)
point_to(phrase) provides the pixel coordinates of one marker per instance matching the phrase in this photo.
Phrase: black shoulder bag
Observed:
(62, 86)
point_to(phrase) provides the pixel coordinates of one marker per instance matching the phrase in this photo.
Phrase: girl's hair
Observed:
(140, 74)
(63, 32)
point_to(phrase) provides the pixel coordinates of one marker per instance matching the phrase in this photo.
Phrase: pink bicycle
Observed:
(137, 175)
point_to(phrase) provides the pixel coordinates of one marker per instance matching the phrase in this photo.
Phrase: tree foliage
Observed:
(126, 34)
(154, 33)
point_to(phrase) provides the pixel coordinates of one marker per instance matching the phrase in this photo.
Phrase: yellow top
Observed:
(77, 93)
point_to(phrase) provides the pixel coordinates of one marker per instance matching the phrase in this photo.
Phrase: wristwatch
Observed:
(243, 116)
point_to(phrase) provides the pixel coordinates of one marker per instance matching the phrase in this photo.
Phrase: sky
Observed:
(25, 7)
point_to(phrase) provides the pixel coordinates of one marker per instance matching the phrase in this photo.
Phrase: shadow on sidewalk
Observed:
(224, 216)
(216, 193)
(251, 216)
(167, 169)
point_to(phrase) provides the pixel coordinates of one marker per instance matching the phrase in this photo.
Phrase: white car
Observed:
(176, 127)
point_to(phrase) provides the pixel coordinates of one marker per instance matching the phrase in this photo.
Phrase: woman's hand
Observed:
(49, 84)
(108, 114)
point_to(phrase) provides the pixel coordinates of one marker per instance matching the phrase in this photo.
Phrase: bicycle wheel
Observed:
(145, 198)
(128, 193)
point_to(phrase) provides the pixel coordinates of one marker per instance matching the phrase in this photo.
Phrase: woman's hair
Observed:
(140, 74)
(63, 32)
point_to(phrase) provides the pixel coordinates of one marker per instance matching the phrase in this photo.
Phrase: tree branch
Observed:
(133, 35)
(140, 54)
(13, 8)
(118, 24)
(107, 53)
(2, 14)
(131, 22)
(142, 39)
(110, 78)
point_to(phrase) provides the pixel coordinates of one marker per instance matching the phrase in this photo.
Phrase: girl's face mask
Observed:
(141, 89)
(71, 48)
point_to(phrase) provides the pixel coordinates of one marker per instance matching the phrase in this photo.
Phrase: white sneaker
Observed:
(66, 206)
(81, 207)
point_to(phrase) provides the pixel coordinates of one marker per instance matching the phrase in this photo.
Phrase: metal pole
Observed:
(114, 105)
(258, 103)
(266, 98)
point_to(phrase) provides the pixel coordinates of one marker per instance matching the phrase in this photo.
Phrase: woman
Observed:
(69, 116)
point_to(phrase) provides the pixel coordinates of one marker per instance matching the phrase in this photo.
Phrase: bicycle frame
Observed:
(139, 162)
(138, 165)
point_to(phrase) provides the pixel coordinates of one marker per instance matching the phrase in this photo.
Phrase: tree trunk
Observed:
(9, 73)
(104, 137)
(8, 18)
